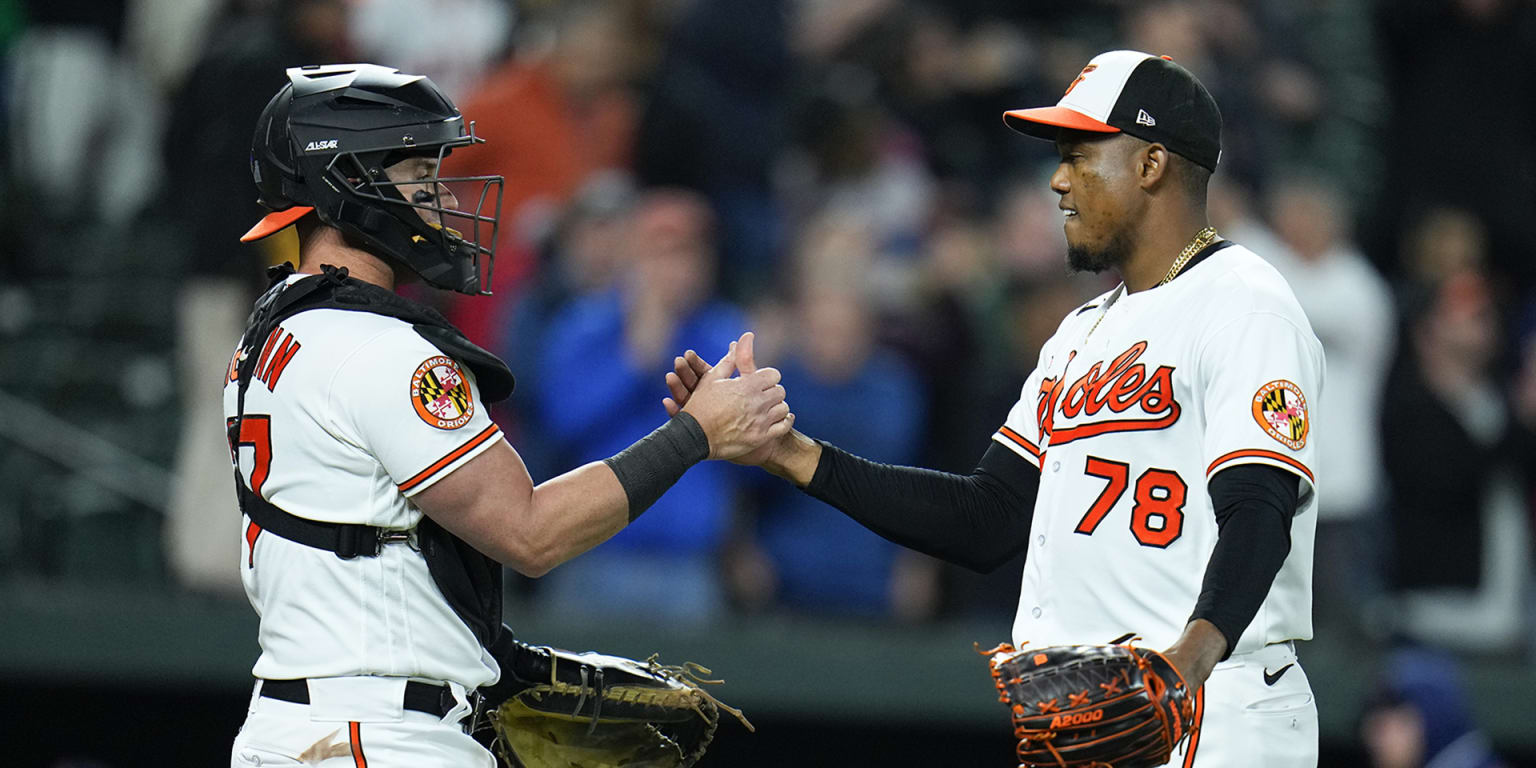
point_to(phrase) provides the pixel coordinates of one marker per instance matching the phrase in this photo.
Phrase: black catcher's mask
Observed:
(322, 145)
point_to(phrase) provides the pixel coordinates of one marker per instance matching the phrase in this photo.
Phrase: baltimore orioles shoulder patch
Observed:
(1281, 410)
(440, 393)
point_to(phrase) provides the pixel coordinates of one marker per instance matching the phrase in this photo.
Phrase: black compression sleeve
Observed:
(1254, 505)
(650, 466)
(980, 520)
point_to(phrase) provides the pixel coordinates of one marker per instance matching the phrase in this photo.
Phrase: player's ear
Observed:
(1152, 165)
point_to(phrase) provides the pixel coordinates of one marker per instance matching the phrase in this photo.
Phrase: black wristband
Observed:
(650, 466)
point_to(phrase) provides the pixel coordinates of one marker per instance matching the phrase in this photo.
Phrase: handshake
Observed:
(745, 417)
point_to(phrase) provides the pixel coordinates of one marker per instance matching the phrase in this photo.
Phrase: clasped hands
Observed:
(739, 414)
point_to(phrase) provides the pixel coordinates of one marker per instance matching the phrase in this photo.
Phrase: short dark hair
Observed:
(1192, 177)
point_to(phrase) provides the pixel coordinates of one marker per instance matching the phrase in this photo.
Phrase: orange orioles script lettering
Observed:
(1077, 718)
(1121, 387)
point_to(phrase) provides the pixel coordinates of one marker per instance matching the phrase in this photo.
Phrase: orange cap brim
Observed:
(1042, 122)
(274, 222)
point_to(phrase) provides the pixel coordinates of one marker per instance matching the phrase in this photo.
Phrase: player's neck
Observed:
(325, 245)
(1157, 245)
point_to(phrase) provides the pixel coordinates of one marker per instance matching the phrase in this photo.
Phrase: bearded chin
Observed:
(1082, 258)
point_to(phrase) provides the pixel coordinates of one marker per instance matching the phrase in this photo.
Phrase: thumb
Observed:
(723, 369)
(744, 359)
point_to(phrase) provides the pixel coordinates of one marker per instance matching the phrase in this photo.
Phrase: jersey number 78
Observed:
(1157, 518)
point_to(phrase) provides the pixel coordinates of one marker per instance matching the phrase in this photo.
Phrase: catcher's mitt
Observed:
(587, 710)
(1092, 706)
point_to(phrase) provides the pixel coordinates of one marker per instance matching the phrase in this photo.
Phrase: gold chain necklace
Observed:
(1203, 238)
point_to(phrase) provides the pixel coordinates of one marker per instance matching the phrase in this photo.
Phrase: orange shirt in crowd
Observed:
(546, 142)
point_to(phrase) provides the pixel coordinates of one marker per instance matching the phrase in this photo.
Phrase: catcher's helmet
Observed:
(322, 145)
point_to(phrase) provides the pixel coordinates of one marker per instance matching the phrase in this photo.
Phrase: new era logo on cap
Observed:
(1119, 92)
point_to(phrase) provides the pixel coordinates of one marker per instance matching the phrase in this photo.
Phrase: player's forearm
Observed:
(978, 520)
(796, 459)
(1197, 652)
(582, 508)
(569, 514)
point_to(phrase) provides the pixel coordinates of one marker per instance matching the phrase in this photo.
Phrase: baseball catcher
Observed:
(558, 709)
(379, 500)
(1092, 706)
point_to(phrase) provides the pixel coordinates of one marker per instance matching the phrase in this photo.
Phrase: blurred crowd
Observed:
(835, 175)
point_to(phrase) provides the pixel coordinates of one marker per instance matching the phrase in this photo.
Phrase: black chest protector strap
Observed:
(469, 580)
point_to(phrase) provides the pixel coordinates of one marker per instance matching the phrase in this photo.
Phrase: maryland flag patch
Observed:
(1281, 410)
(441, 394)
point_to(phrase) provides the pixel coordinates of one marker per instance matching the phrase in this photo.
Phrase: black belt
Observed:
(436, 700)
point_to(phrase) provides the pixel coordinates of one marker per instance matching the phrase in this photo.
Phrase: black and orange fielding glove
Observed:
(1092, 706)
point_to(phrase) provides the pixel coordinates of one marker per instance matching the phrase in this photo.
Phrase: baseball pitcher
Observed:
(1158, 468)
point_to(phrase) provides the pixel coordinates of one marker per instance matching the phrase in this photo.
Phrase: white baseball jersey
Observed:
(1136, 401)
(348, 415)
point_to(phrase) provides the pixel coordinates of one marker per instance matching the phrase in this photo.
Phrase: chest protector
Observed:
(469, 580)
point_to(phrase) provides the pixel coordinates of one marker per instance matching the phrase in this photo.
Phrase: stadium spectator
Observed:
(811, 558)
(715, 122)
(601, 356)
(1351, 310)
(1441, 242)
(1460, 558)
(1421, 716)
(578, 259)
(552, 116)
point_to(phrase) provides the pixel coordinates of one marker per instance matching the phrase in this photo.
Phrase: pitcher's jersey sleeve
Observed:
(1261, 376)
(1021, 430)
(413, 408)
